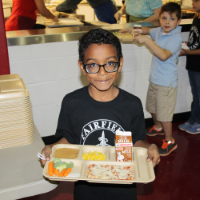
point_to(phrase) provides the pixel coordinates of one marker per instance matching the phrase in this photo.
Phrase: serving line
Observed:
(49, 35)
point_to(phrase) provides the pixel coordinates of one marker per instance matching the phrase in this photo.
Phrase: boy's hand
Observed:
(126, 30)
(141, 39)
(46, 151)
(153, 154)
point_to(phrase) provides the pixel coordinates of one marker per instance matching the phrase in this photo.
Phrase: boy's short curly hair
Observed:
(171, 7)
(98, 36)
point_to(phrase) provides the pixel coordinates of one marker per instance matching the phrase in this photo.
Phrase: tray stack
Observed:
(16, 123)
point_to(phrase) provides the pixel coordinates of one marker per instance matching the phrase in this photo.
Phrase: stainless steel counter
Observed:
(27, 37)
(49, 35)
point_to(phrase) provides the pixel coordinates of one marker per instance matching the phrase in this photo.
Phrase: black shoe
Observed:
(153, 132)
(167, 147)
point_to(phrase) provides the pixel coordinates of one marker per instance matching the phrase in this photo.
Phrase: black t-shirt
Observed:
(85, 121)
(194, 43)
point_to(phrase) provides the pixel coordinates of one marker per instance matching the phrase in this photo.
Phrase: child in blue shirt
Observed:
(165, 43)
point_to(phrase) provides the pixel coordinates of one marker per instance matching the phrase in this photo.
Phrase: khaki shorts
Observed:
(161, 101)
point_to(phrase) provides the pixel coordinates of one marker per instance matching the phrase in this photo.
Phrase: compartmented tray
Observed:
(143, 170)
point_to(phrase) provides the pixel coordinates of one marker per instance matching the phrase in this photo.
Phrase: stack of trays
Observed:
(16, 123)
(143, 170)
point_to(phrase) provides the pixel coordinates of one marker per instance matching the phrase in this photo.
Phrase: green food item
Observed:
(71, 164)
(56, 160)
(115, 33)
(60, 166)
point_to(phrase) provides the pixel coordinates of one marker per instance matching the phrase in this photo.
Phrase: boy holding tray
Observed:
(91, 115)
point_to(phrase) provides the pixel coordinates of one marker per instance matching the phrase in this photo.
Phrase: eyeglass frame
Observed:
(85, 67)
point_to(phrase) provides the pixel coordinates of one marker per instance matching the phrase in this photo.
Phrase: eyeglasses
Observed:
(94, 68)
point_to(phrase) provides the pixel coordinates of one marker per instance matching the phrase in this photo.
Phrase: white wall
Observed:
(50, 71)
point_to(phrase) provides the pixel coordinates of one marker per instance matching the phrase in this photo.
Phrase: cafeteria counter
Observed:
(21, 171)
(49, 35)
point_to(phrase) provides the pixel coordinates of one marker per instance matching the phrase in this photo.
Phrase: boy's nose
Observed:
(102, 71)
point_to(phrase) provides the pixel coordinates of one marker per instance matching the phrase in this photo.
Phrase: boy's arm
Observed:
(162, 54)
(152, 151)
(145, 30)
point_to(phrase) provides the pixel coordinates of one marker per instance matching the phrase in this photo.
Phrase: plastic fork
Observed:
(39, 155)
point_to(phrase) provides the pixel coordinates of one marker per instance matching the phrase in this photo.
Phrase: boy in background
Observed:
(91, 115)
(192, 126)
(161, 96)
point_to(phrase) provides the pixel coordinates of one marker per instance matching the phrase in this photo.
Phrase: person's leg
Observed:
(166, 100)
(105, 12)
(158, 125)
(167, 127)
(188, 124)
(194, 78)
(194, 119)
(155, 129)
(151, 108)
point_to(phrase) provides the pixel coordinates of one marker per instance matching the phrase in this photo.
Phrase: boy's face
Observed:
(196, 5)
(168, 22)
(101, 54)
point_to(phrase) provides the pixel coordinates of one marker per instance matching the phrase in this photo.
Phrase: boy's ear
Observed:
(121, 63)
(179, 21)
(80, 64)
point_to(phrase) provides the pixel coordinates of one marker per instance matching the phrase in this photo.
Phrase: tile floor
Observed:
(177, 175)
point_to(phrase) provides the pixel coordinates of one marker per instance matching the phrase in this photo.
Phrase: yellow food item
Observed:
(93, 156)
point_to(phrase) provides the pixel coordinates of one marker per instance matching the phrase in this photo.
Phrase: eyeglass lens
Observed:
(109, 67)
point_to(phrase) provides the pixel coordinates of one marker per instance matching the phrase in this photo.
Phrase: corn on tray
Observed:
(142, 170)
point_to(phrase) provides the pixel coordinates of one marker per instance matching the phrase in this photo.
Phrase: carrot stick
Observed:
(50, 168)
(62, 173)
(68, 170)
(55, 171)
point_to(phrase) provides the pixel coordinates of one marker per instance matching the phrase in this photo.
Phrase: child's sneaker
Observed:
(167, 147)
(185, 126)
(194, 129)
(153, 132)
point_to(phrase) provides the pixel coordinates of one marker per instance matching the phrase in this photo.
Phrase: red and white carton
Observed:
(123, 145)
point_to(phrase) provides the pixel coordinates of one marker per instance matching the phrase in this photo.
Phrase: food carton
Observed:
(123, 144)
